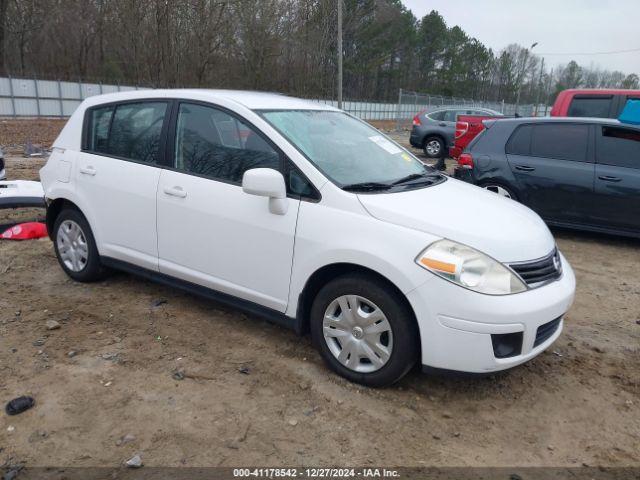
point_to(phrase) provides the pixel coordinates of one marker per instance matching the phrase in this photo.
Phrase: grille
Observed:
(539, 271)
(545, 331)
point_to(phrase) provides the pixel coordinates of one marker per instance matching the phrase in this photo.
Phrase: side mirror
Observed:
(267, 182)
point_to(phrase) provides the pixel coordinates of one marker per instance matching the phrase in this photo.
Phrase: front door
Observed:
(209, 231)
(554, 170)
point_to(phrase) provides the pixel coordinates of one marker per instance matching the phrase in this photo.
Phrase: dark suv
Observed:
(434, 131)
(574, 172)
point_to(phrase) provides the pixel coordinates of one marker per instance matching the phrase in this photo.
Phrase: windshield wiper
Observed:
(415, 176)
(367, 186)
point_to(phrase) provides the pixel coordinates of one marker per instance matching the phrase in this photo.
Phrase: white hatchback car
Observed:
(308, 216)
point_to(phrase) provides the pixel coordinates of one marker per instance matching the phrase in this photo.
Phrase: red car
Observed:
(467, 128)
(604, 103)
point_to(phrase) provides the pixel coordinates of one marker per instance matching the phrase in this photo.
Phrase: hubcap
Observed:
(72, 246)
(503, 192)
(433, 147)
(358, 333)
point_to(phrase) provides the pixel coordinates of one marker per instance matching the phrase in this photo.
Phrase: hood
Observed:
(500, 227)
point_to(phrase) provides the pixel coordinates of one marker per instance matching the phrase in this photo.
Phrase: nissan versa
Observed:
(309, 216)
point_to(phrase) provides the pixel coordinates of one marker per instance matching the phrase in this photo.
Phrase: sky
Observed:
(559, 27)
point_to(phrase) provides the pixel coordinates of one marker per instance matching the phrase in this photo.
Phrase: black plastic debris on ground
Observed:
(19, 405)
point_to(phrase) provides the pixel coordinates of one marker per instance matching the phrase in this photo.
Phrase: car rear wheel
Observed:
(75, 247)
(499, 190)
(364, 330)
(433, 147)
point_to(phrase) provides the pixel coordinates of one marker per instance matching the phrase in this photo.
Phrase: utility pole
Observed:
(524, 66)
(339, 53)
(539, 86)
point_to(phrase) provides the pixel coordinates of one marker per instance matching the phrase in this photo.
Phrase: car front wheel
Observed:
(364, 330)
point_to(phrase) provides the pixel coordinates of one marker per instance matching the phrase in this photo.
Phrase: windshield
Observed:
(345, 149)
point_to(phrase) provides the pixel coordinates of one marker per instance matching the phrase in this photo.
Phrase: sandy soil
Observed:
(256, 394)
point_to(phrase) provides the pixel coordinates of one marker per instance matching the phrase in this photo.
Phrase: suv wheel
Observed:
(364, 331)
(433, 147)
(75, 247)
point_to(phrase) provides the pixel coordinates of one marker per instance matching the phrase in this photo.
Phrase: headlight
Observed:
(469, 268)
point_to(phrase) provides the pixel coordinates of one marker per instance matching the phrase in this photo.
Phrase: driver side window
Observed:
(211, 143)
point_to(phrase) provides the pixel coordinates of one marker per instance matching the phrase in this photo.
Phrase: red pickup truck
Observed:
(600, 103)
(467, 128)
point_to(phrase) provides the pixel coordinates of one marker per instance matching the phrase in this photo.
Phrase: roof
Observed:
(249, 99)
(590, 120)
(601, 91)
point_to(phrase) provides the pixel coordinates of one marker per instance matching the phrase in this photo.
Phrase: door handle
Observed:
(608, 178)
(89, 170)
(525, 168)
(442, 124)
(175, 192)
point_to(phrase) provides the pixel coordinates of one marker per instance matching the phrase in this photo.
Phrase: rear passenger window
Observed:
(438, 116)
(135, 131)
(590, 107)
(212, 143)
(619, 147)
(560, 140)
(99, 123)
(520, 141)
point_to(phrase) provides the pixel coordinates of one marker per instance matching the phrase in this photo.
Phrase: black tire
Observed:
(494, 187)
(92, 270)
(406, 340)
(431, 152)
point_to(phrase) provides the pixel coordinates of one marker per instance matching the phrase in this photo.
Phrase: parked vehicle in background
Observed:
(3, 172)
(595, 103)
(303, 214)
(434, 131)
(578, 173)
(467, 128)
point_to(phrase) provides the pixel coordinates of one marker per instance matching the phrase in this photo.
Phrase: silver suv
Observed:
(434, 131)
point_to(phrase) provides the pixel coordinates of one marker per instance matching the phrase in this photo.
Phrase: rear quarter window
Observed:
(520, 141)
(599, 107)
(99, 121)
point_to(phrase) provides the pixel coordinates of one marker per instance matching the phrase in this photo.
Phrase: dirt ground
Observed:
(257, 394)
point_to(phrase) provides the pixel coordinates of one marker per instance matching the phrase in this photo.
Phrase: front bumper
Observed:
(456, 324)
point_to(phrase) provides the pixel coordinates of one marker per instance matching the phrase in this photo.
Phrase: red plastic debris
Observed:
(25, 231)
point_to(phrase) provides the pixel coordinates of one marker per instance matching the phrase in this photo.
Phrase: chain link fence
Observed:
(410, 103)
(23, 97)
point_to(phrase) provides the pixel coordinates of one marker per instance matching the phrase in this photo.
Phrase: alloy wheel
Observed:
(433, 147)
(358, 333)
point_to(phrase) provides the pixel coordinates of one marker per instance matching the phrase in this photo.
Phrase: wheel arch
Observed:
(325, 274)
(53, 210)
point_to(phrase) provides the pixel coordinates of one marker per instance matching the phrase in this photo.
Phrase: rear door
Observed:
(554, 169)
(617, 182)
(117, 178)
